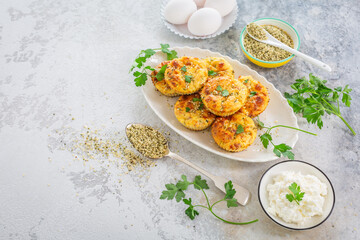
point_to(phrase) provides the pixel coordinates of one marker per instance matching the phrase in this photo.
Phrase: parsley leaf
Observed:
(230, 191)
(190, 211)
(174, 191)
(246, 80)
(141, 73)
(187, 109)
(219, 88)
(140, 80)
(239, 129)
(188, 78)
(171, 54)
(283, 149)
(225, 93)
(183, 68)
(313, 99)
(296, 194)
(183, 185)
(265, 139)
(252, 93)
(212, 73)
(201, 107)
(200, 183)
(231, 203)
(160, 75)
(229, 196)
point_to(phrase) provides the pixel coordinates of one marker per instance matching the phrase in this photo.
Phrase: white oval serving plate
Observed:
(306, 169)
(277, 112)
(183, 31)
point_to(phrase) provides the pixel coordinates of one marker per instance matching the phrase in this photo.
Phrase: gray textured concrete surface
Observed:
(64, 64)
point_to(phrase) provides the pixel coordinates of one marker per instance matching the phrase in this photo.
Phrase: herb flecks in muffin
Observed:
(252, 93)
(188, 78)
(190, 111)
(239, 129)
(225, 93)
(212, 73)
(256, 31)
(148, 141)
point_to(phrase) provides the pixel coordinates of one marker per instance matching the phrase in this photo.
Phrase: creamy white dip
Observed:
(311, 204)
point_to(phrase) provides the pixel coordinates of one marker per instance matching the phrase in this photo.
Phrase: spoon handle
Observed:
(307, 58)
(242, 194)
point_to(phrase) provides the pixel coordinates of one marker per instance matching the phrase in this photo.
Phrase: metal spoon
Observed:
(242, 194)
(276, 43)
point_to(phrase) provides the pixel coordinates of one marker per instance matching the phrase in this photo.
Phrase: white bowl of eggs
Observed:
(199, 19)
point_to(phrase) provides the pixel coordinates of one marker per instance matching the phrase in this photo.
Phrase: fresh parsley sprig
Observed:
(177, 191)
(296, 194)
(141, 74)
(313, 99)
(280, 149)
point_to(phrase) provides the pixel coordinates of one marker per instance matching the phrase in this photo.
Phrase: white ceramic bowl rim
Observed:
(333, 191)
(242, 35)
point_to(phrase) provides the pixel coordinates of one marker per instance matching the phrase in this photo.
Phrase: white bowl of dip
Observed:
(305, 169)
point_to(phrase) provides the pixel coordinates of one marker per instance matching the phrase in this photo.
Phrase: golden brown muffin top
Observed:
(190, 111)
(234, 133)
(186, 75)
(223, 95)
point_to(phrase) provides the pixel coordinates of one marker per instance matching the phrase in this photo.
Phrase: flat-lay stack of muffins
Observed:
(210, 95)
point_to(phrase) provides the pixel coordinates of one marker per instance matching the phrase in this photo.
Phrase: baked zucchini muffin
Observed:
(223, 96)
(186, 75)
(234, 133)
(218, 67)
(258, 98)
(191, 113)
(161, 85)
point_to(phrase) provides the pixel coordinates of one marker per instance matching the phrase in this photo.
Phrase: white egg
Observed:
(199, 3)
(179, 11)
(223, 6)
(204, 21)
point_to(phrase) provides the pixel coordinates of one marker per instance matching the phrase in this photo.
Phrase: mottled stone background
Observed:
(65, 64)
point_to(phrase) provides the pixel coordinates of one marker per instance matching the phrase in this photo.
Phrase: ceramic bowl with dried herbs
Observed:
(265, 55)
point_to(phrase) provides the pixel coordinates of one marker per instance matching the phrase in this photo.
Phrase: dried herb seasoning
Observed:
(256, 31)
(266, 52)
(148, 141)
